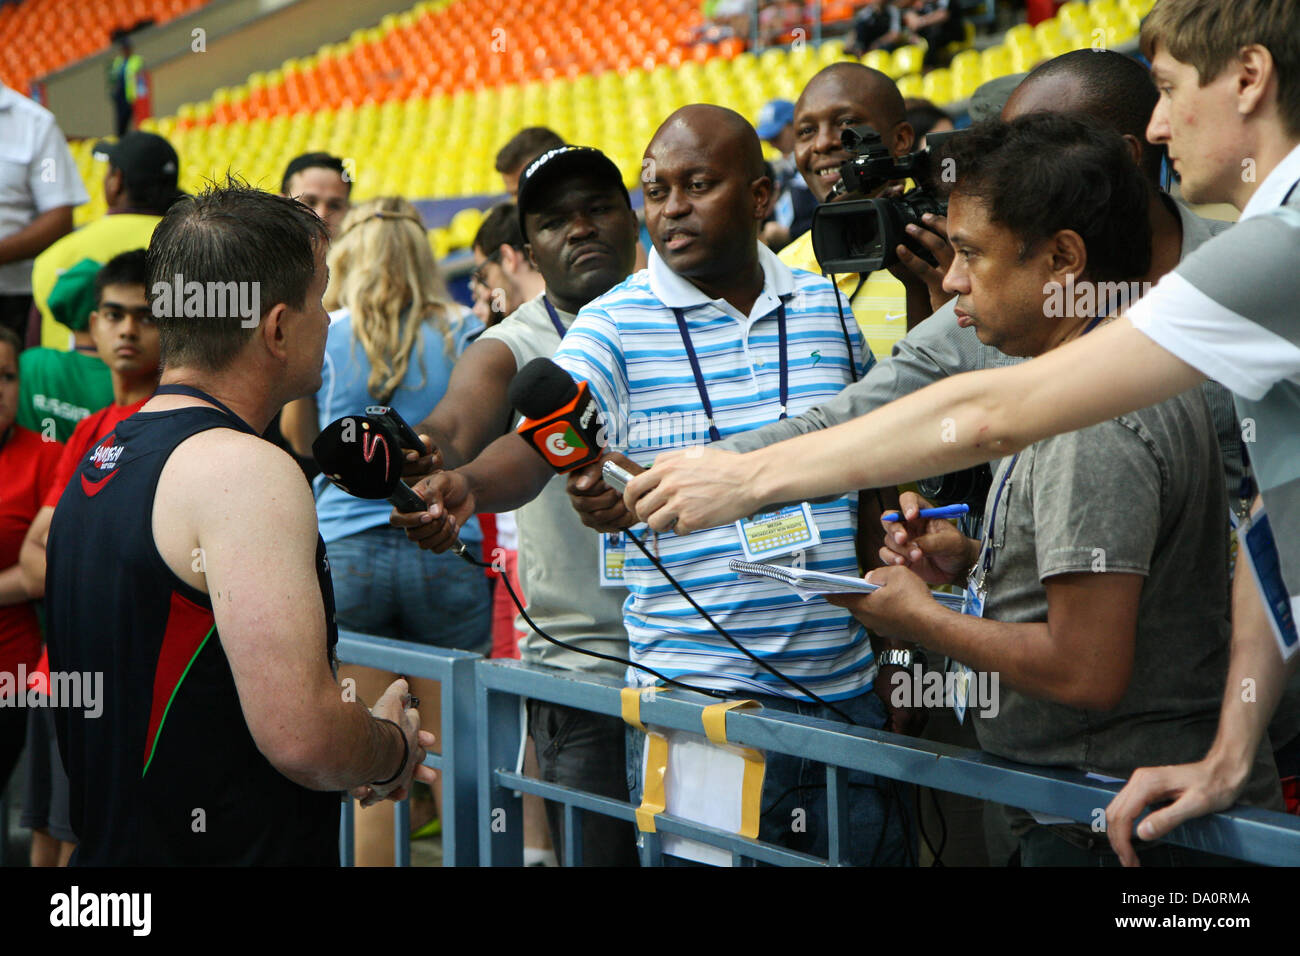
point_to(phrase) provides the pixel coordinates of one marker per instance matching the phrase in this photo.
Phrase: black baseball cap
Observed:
(143, 158)
(564, 161)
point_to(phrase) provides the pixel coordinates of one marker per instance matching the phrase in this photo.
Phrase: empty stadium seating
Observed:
(419, 104)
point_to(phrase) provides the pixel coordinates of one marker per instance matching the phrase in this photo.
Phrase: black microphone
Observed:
(363, 457)
(561, 417)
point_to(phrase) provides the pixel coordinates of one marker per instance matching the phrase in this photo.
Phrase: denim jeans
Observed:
(882, 828)
(580, 749)
(385, 585)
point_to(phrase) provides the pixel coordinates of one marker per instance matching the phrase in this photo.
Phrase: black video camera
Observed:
(861, 234)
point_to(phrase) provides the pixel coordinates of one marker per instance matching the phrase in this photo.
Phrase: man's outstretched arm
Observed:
(956, 423)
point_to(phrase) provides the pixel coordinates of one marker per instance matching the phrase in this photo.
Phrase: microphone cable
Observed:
(734, 643)
(505, 579)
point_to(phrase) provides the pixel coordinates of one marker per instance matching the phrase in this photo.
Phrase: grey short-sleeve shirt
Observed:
(1141, 494)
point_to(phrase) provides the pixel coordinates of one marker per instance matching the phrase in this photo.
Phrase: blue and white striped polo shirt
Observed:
(627, 345)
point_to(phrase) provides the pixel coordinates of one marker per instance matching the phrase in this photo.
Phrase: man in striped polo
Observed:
(718, 336)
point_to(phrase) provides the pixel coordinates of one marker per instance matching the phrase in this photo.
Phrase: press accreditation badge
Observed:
(1259, 551)
(972, 604)
(612, 549)
(775, 533)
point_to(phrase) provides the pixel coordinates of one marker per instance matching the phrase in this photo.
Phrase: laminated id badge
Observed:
(612, 549)
(963, 676)
(1259, 551)
(775, 533)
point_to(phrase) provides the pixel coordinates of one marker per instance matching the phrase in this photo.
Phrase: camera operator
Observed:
(887, 303)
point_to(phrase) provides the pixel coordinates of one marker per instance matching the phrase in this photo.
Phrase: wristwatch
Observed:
(900, 657)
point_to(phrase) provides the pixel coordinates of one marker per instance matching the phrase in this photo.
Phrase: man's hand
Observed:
(416, 465)
(391, 707)
(909, 721)
(600, 506)
(931, 547)
(902, 608)
(451, 504)
(688, 490)
(934, 240)
(1195, 789)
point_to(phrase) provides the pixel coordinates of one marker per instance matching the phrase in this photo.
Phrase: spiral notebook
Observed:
(809, 584)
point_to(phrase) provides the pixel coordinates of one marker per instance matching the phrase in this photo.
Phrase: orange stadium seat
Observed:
(40, 36)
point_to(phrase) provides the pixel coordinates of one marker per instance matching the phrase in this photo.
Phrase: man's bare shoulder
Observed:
(223, 465)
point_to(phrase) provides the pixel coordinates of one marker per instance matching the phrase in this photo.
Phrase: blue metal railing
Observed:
(455, 764)
(1251, 834)
(482, 788)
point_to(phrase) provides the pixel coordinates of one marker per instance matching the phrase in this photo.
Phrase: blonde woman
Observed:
(394, 336)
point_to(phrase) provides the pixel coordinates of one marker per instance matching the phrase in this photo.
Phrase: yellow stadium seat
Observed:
(829, 51)
(463, 226)
(1140, 8)
(911, 86)
(1055, 46)
(1120, 26)
(908, 59)
(1075, 18)
(1024, 57)
(1049, 31)
(880, 60)
(996, 61)
(966, 61)
(964, 84)
(936, 86)
(1019, 33)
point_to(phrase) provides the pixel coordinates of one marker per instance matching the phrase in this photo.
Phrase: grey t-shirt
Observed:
(558, 554)
(1141, 494)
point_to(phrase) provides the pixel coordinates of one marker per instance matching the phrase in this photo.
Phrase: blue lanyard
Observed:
(555, 318)
(993, 517)
(991, 529)
(714, 434)
(193, 392)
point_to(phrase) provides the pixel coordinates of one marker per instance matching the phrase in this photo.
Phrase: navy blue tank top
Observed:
(168, 773)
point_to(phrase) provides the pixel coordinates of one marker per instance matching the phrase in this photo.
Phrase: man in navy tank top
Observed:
(184, 565)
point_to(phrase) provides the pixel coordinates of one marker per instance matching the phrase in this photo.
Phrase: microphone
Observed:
(560, 415)
(363, 457)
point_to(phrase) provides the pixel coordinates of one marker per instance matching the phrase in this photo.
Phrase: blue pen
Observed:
(947, 511)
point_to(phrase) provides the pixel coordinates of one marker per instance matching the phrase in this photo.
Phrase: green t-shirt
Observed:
(60, 387)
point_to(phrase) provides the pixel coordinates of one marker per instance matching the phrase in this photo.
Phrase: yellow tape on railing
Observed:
(714, 719)
(653, 790)
(751, 792)
(630, 698)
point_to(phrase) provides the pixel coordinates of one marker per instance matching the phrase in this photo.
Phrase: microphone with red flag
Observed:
(561, 417)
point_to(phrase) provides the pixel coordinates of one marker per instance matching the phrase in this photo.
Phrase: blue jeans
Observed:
(584, 750)
(882, 829)
(385, 585)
